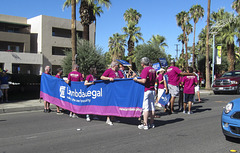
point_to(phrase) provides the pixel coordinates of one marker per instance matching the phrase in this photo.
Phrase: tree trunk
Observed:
(73, 31)
(86, 32)
(207, 49)
(186, 50)
(231, 56)
(130, 50)
(193, 53)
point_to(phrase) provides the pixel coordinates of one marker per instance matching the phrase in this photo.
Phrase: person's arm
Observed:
(186, 74)
(106, 78)
(143, 81)
(86, 83)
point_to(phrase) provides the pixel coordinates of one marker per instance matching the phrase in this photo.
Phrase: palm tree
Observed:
(158, 41)
(182, 20)
(132, 32)
(132, 15)
(73, 29)
(188, 29)
(181, 39)
(207, 48)
(196, 12)
(116, 46)
(87, 13)
(236, 6)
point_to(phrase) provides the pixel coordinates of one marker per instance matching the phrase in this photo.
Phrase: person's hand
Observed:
(166, 91)
(111, 79)
(135, 79)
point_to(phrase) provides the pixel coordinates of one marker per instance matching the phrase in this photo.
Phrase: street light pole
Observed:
(213, 59)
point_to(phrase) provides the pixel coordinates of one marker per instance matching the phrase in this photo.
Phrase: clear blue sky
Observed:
(158, 16)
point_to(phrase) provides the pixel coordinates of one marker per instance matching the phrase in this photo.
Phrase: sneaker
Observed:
(109, 122)
(59, 113)
(158, 105)
(190, 112)
(88, 119)
(70, 115)
(144, 127)
(45, 110)
(152, 126)
(184, 112)
(74, 116)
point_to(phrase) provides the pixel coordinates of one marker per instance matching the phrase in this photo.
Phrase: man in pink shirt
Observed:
(74, 76)
(189, 83)
(174, 74)
(111, 74)
(148, 77)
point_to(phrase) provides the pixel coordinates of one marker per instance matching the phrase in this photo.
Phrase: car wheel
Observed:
(238, 88)
(215, 92)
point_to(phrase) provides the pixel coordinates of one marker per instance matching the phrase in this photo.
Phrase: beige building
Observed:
(28, 45)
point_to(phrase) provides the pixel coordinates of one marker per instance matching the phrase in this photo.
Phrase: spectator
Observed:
(162, 86)
(89, 81)
(197, 90)
(47, 104)
(59, 75)
(4, 85)
(111, 74)
(148, 77)
(174, 74)
(74, 76)
(121, 69)
(189, 83)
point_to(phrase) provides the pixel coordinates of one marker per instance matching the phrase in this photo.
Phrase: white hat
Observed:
(161, 69)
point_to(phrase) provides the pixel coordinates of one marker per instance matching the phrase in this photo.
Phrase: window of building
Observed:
(11, 46)
(59, 50)
(65, 33)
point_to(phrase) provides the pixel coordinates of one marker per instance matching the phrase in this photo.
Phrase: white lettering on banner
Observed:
(62, 91)
(130, 109)
(94, 93)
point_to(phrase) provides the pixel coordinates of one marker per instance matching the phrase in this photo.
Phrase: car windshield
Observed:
(231, 74)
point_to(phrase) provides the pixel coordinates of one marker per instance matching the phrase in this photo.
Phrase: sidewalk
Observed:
(37, 104)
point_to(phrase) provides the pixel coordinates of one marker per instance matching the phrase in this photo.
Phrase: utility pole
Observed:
(177, 51)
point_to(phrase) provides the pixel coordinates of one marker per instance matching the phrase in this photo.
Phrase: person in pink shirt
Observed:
(148, 77)
(59, 75)
(111, 74)
(174, 74)
(89, 81)
(74, 76)
(189, 83)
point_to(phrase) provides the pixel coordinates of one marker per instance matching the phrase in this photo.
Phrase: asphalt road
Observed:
(37, 132)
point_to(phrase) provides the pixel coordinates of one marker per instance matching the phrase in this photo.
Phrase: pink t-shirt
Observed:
(75, 76)
(112, 74)
(58, 76)
(160, 78)
(173, 77)
(90, 78)
(149, 74)
(189, 84)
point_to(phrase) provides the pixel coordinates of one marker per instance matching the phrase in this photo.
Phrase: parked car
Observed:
(231, 119)
(228, 82)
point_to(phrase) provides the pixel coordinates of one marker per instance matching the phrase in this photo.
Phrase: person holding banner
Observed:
(59, 75)
(74, 76)
(89, 81)
(148, 77)
(47, 104)
(111, 74)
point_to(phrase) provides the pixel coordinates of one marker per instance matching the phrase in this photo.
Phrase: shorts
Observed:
(4, 86)
(173, 90)
(148, 101)
(196, 88)
(160, 92)
(188, 98)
